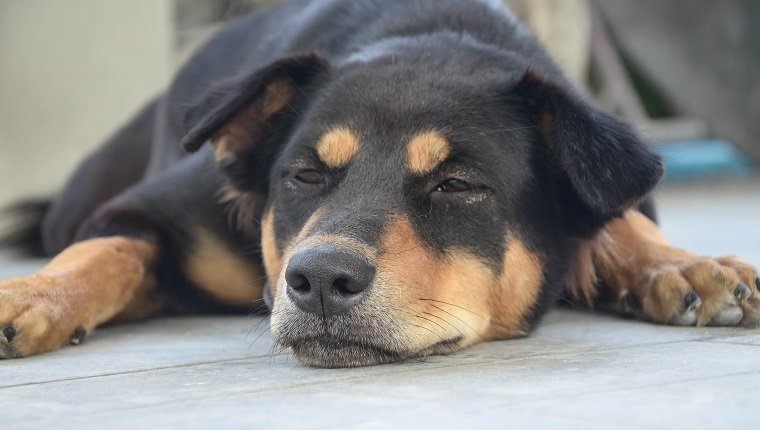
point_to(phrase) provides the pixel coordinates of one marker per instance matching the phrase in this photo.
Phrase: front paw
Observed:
(701, 291)
(35, 317)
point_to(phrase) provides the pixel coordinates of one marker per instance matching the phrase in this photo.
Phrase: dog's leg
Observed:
(638, 272)
(87, 284)
(164, 244)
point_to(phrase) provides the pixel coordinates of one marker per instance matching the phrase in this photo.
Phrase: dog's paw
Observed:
(700, 291)
(35, 317)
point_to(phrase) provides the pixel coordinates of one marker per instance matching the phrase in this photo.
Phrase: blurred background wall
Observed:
(72, 71)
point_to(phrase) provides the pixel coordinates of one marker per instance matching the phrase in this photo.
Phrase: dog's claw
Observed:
(692, 301)
(742, 292)
(9, 332)
(78, 335)
(628, 303)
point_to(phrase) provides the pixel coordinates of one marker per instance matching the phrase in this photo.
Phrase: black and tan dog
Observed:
(394, 178)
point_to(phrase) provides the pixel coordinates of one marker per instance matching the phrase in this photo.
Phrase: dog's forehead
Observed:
(411, 126)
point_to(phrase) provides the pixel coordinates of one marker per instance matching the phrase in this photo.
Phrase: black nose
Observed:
(327, 280)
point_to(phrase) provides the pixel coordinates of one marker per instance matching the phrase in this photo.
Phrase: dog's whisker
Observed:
(431, 331)
(261, 224)
(456, 306)
(275, 350)
(489, 320)
(444, 320)
(265, 329)
(255, 311)
(245, 303)
(255, 327)
(256, 280)
(431, 322)
(454, 316)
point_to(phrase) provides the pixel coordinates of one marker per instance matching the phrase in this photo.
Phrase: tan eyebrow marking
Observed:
(337, 147)
(425, 151)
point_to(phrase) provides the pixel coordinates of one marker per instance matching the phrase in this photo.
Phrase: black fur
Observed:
(25, 234)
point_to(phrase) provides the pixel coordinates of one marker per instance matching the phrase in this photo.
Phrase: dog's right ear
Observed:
(240, 115)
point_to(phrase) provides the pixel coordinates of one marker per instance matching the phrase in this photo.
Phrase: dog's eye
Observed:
(311, 177)
(452, 186)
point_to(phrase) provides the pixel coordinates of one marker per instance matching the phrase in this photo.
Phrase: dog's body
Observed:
(411, 177)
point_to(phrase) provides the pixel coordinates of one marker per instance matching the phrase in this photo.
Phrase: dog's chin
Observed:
(354, 339)
(330, 352)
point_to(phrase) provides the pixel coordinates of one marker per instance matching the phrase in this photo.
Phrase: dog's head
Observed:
(417, 198)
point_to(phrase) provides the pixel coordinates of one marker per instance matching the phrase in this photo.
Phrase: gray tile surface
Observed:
(578, 370)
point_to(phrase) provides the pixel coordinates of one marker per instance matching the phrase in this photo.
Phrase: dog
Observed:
(391, 179)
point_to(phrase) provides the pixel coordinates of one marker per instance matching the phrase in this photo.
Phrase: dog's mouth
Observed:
(328, 351)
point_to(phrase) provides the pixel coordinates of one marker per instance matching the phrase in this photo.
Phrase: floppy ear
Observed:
(241, 116)
(609, 169)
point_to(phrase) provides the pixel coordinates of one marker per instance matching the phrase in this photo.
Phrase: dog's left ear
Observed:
(608, 167)
(244, 116)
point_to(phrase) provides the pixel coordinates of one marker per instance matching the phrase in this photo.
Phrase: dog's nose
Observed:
(326, 280)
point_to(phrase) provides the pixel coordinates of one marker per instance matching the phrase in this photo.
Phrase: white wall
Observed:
(71, 71)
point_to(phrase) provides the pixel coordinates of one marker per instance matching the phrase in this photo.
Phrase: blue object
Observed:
(701, 159)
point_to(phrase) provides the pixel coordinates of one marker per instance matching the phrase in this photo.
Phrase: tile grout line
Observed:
(135, 371)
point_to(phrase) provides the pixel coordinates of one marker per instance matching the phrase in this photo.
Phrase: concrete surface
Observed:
(578, 370)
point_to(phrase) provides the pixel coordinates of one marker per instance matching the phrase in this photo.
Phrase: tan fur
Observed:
(277, 96)
(430, 298)
(426, 151)
(430, 302)
(631, 256)
(337, 147)
(456, 293)
(546, 126)
(518, 288)
(86, 285)
(217, 270)
(248, 126)
(270, 251)
(448, 290)
(274, 259)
